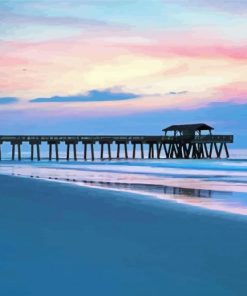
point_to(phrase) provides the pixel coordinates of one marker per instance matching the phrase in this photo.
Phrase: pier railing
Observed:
(202, 138)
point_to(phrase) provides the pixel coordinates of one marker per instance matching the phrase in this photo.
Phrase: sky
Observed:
(122, 66)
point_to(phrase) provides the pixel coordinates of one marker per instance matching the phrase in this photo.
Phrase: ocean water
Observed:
(215, 184)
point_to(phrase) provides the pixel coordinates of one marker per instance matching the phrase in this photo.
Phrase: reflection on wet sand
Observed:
(214, 194)
(203, 193)
(147, 188)
(152, 188)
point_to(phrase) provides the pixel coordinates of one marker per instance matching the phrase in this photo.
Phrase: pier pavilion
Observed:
(185, 141)
(194, 141)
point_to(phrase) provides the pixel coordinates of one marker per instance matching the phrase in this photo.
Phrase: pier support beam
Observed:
(55, 143)
(119, 143)
(226, 150)
(218, 150)
(179, 151)
(187, 150)
(91, 144)
(135, 143)
(210, 150)
(195, 152)
(206, 150)
(134, 150)
(73, 143)
(200, 150)
(108, 143)
(85, 151)
(34, 143)
(173, 151)
(151, 148)
(1, 150)
(18, 144)
(165, 149)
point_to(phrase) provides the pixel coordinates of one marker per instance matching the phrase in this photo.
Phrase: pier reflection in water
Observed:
(160, 189)
(188, 191)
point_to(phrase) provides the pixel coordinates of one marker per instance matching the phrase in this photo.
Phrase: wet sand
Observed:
(61, 239)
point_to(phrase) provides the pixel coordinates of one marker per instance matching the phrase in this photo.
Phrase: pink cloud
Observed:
(47, 61)
(164, 48)
(236, 91)
(6, 61)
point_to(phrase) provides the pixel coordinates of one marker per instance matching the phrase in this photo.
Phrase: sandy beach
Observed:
(61, 239)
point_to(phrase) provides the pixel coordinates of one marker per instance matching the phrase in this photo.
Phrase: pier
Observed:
(188, 141)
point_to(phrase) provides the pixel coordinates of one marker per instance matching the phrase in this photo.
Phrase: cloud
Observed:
(165, 48)
(8, 100)
(230, 6)
(91, 96)
(236, 6)
(236, 91)
(50, 20)
(30, 13)
(177, 92)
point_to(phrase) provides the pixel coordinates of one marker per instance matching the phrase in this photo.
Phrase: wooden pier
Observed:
(186, 142)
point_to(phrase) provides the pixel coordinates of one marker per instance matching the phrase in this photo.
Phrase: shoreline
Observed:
(163, 199)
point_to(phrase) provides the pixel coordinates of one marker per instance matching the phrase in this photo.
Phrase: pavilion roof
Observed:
(188, 127)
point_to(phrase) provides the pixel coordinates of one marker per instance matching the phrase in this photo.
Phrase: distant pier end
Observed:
(187, 141)
(195, 141)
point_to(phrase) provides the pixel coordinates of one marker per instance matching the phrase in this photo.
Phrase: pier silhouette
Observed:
(188, 141)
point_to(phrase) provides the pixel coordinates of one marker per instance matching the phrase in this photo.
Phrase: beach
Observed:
(62, 239)
(123, 148)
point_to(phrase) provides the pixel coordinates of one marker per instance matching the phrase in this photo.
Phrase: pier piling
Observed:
(135, 143)
(107, 142)
(34, 143)
(17, 143)
(73, 143)
(91, 144)
(52, 143)
(124, 143)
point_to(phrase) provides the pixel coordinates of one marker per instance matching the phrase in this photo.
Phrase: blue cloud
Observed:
(8, 100)
(178, 92)
(92, 96)
(239, 6)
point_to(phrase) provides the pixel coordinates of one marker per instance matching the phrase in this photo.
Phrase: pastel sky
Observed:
(77, 64)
